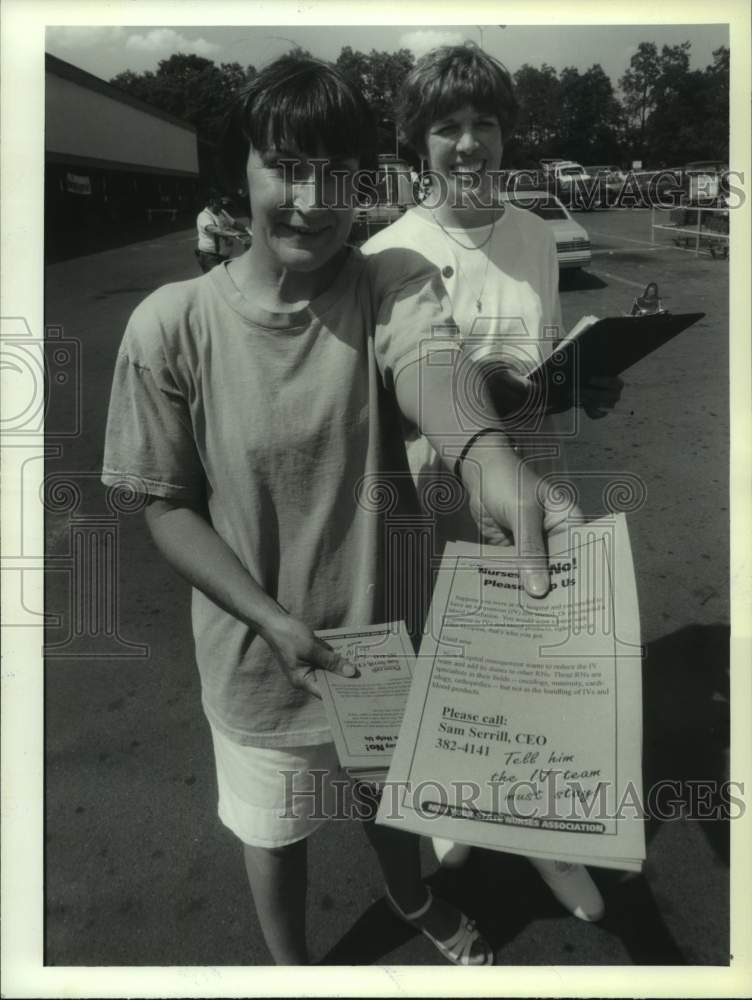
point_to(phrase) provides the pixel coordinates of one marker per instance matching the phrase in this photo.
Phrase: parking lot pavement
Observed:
(138, 869)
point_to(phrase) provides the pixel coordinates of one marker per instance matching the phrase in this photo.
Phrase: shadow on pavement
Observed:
(92, 239)
(686, 730)
(504, 896)
(579, 280)
(375, 933)
(633, 916)
(685, 696)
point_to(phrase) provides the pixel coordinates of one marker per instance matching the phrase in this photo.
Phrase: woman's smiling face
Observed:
(301, 205)
(462, 147)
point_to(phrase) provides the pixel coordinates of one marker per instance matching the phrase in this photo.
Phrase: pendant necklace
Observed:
(479, 300)
(474, 246)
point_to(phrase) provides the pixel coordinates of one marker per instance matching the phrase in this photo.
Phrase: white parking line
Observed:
(615, 277)
(626, 239)
(609, 253)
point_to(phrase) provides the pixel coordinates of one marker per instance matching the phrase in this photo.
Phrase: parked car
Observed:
(607, 169)
(395, 195)
(572, 240)
(608, 173)
(564, 177)
(705, 182)
(609, 182)
(546, 165)
(564, 170)
(658, 187)
(525, 179)
(395, 181)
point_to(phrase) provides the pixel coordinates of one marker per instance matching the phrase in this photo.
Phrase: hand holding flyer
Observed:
(522, 732)
(365, 712)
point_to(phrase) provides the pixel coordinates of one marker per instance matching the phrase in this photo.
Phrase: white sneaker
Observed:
(573, 887)
(450, 854)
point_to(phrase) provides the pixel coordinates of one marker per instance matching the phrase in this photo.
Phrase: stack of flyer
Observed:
(523, 726)
(365, 713)
(519, 727)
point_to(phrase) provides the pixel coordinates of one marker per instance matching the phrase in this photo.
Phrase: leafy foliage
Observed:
(538, 123)
(190, 87)
(665, 113)
(379, 76)
(674, 114)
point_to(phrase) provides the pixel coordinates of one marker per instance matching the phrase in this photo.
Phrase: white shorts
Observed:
(267, 808)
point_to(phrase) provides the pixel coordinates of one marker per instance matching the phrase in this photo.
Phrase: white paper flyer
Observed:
(365, 712)
(523, 727)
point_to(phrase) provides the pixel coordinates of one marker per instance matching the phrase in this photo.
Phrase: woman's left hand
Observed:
(511, 391)
(600, 394)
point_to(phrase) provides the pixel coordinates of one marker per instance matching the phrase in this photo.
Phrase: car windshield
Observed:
(570, 170)
(544, 207)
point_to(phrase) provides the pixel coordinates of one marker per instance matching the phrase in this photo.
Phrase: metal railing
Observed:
(704, 236)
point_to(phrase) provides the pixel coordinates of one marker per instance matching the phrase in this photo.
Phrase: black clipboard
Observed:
(608, 347)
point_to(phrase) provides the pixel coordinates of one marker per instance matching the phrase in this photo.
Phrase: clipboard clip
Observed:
(648, 304)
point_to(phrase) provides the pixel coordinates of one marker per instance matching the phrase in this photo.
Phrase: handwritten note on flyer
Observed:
(523, 727)
(365, 713)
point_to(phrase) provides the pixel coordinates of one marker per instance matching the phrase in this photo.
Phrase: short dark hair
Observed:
(299, 101)
(446, 79)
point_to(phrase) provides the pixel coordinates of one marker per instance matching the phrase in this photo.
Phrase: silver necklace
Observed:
(475, 246)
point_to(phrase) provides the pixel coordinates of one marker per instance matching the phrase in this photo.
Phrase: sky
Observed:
(106, 50)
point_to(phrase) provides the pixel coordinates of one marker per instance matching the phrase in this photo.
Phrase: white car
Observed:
(609, 171)
(572, 240)
(568, 170)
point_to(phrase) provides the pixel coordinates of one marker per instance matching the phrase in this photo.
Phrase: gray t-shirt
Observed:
(284, 425)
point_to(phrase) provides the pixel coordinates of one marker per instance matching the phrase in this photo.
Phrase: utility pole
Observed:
(480, 30)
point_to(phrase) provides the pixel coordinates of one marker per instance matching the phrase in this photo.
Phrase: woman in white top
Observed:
(500, 270)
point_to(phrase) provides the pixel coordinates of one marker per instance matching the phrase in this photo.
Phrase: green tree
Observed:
(638, 87)
(685, 113)
(589, 116)
(190, 87)
(663, 100)
(355, 66)
(537, 131)
(379, 75)
(716, 125)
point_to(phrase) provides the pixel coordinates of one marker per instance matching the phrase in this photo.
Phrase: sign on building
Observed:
(77, 183)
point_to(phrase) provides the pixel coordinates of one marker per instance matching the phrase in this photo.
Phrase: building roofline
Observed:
(67, 71)
(95, 163)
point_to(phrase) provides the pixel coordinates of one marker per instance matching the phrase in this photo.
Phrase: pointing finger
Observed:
(531, 548)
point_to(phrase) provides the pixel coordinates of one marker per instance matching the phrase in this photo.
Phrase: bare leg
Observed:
(279, 879)
(398, 854)
(399, 858)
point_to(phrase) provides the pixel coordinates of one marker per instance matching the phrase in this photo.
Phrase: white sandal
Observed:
(457, 948)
